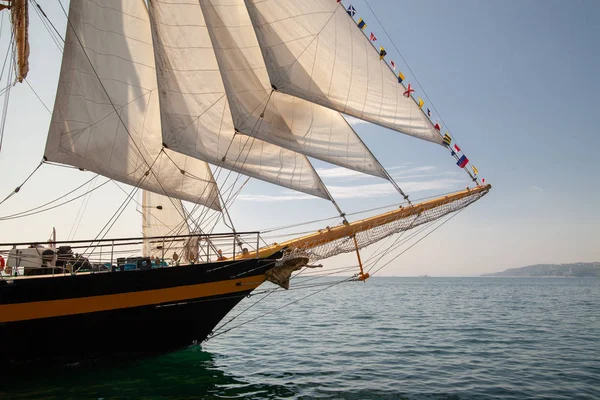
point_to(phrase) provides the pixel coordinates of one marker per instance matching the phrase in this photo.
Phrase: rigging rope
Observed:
(219, 330)
(5, 89)
(55, 36)
(137, 148)
(393, 205)
(6, 99)
(44, 17)
(255, 128)
(28, 213)
(81, 211)
(418, 241)
(416, 79)
(52, 201)
(215, 334)
(8, 49)
(173, 231)
(203, 215)
(18, 188)
(269, 292)
(395, 241)
(108, 226)
(347, 238)
(38, 96)
(201, 218)
(375, 259)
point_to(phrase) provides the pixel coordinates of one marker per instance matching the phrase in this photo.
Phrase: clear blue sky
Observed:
(516, 82)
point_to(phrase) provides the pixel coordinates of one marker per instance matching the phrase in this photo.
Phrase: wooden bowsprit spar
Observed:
(349, 237)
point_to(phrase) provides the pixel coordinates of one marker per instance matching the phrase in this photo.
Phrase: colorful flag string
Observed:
(461, 161)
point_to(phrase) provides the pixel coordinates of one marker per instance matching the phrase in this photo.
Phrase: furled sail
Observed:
(86, 132)
(162, 216)
(313, 50)
(196, 118)
(278, 118)
(19, 15)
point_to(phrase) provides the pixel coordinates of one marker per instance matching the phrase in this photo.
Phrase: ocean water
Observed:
(388, 338)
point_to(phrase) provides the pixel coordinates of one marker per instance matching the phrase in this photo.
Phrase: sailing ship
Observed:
(158, 95)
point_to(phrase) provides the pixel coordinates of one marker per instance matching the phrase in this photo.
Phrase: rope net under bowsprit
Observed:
(327, 242)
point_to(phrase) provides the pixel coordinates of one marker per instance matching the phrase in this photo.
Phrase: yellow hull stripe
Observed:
(82, 305)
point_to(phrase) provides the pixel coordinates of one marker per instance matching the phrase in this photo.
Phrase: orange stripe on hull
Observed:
(82, 305)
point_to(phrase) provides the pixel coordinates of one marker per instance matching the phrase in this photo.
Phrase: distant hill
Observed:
(575, 270)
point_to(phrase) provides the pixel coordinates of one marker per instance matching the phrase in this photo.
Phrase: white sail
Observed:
(162, 216)
(196, 118)
(314, 50)
(272, 116)
(86, 132)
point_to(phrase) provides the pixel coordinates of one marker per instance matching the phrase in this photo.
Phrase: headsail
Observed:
(272, 116)
(86, 132)
(196, 118)
(313, 50)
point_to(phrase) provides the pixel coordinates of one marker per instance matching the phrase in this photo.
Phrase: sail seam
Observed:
(115, 33)
(198, 117)
(351, 69)
(140, 154)
(75, 70)
(108, 55)
(311, 42)
(335, 23)
(114, 9)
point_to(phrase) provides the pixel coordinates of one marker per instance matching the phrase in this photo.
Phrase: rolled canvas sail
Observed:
(86, 132)
(314, 50)
(162, 216)
(272, 116)
(196, 118)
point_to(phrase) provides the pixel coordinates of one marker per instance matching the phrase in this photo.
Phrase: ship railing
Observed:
(28, 259)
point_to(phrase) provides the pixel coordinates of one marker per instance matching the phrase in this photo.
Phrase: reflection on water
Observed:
(187, 374)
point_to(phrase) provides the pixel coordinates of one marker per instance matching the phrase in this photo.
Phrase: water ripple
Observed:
(392, 338)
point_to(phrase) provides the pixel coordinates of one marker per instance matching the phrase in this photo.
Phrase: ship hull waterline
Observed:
(120, 315)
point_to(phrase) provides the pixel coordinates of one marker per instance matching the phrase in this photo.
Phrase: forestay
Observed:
(86, 132)
(196, 117)
(272, 116)
(314, 50)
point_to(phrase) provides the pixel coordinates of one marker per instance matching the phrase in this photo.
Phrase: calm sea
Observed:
(389, 338)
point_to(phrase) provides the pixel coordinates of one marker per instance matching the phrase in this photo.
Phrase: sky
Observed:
(515, 82)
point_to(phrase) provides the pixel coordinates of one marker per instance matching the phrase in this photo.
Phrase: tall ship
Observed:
(168, 98)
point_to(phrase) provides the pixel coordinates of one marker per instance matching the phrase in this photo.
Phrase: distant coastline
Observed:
(574, 270)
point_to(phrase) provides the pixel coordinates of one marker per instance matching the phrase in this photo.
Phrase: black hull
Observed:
(119, 334)
(119, 314)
